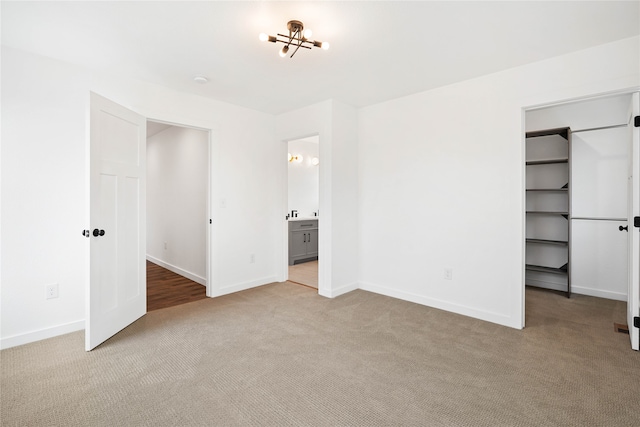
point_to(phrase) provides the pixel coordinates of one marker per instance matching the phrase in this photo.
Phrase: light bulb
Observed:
(307, 34)
(299, 158)
(263, 37)
(315, 161)
(325, 45)
(284, 51)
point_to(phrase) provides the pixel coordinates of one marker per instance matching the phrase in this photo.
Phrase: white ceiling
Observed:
(379, 50)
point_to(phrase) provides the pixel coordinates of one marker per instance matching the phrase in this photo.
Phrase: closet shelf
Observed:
(541, 268)
(548, 212)
(547, 161)
(549, 242)
(563, 132)
(548, 147)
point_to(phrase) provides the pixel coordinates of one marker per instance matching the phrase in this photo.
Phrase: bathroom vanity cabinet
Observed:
(303, 240)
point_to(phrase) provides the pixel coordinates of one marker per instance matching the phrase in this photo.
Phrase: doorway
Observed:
(591, 262)
(303, 207)
(177, 214)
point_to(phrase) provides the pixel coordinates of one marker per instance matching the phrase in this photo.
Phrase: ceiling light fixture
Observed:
(298, 37)
(201, 79)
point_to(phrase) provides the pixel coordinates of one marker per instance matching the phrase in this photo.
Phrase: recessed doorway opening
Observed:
(303, 210)
(177, 214)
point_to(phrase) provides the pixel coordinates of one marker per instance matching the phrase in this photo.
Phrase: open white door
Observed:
(633, 304)
(116, 292)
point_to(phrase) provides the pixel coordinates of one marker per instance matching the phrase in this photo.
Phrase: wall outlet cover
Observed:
(51, 291)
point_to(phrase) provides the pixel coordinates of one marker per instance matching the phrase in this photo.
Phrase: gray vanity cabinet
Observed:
(303, 240)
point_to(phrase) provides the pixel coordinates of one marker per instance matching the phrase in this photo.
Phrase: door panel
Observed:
(312, 243)
(116, 292)
(298, 245)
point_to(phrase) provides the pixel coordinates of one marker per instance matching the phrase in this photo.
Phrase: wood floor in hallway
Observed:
(167, 289)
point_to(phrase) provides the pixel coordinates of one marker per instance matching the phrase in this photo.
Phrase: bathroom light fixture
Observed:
(294, 158)
(315, 161)
(298, 37)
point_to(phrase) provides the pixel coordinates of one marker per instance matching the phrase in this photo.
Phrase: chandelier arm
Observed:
(294, 52)
(299, 40)
(288, 42)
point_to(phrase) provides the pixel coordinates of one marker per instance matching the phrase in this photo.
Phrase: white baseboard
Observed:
(41, 334)
(243, 286)
(599, 293)
(178, 270)
(488, 316)
(333, 293)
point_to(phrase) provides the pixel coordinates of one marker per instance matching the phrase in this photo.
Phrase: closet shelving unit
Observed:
(548, 195)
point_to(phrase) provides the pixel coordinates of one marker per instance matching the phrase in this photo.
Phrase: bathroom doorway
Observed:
(303, 189)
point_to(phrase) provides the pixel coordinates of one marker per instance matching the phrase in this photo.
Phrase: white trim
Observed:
(489, 316)
(41, 334)
(336, 292)
(224, 290)
(599, 293)
(178, 270)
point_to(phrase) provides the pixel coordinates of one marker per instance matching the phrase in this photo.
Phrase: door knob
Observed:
(625, 228)
(97, 232)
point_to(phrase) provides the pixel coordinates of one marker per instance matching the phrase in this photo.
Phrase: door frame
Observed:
(284, 263)
(633, 296)
(628, 91)
(209, 238)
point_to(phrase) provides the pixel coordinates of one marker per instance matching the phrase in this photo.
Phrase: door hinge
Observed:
(636, 322)
(636, 221)
(636, 121)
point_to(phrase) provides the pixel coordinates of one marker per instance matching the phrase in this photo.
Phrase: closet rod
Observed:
(600, 128)
(584, 218)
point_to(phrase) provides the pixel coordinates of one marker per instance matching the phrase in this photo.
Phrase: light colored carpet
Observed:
(305, 273)
(280, 355)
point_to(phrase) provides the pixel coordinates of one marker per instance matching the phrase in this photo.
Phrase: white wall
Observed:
(441, 181)
(177, 220)
(44, 202)
(304, 177)
(336, 125)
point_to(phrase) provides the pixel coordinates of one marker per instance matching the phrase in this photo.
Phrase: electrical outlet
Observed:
(448, 274)
(51, 291)
(252, 258)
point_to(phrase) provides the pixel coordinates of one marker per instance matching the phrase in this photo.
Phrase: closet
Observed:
(548, 229)
(576, 197)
